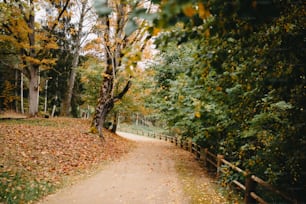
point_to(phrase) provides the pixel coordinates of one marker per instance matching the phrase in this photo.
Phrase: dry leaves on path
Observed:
(197, 184)
(37, 154)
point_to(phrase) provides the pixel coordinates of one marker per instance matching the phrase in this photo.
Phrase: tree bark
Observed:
(16, 91)
(33, 69)
(106, 101)
(21, 93)
(66, 105)
(105, 104)
(114, 41)
(115, 122)
(33, 91)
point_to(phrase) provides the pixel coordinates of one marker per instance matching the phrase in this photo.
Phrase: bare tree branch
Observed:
(60, 15)
(124, 91)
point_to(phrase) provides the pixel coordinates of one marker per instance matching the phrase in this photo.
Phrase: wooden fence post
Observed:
(198, 153)
(190, 146)
(250, 186)
(219, 163)
(204, 156)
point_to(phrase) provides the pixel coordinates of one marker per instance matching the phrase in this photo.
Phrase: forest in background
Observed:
(231, 76)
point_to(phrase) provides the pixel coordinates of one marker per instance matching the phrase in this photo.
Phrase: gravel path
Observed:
(146, 175)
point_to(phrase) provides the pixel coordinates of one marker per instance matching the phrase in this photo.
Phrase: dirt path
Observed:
(145, 175)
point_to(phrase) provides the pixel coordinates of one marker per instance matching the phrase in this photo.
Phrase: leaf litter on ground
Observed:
(197, 184)
(40, 155)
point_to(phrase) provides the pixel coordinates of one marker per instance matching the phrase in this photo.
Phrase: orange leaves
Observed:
(203, 12)
(48, 61)
(47, 150)
(189, 10)
(32, 60)
(51, 45)
(156, 31)
(197, 114)
(219, 88)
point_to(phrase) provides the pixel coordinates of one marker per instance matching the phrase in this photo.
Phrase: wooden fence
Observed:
(218, 162)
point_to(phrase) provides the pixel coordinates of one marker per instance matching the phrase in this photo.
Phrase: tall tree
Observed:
(122, 42)
(79, 35)
(31, 42)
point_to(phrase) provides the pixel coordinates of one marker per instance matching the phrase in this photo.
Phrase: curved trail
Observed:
(147, 175)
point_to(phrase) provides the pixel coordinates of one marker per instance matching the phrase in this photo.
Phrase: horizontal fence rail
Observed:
(218, 162)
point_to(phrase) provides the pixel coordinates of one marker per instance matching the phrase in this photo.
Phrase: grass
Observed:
(18, 188)
(45, 122)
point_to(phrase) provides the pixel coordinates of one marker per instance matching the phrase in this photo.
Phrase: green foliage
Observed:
(236, 84)
(91, 78)
(15, 188)
(102, 8)
(140, 13)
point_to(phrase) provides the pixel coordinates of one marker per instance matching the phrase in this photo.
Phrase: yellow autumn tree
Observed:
(7, 95)
(123, 37)
(30, 40)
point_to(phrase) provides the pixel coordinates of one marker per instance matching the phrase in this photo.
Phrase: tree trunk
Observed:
(32, 68)
(102, 112)
(33, 91)
(114, 41)
(66, 105)
(137, 118)
(115, 122)
(21, 93)
(106, 103)
(16, 91)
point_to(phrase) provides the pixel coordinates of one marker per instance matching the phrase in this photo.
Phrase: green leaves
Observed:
(102, 8)
(252, 83)
(130, 27)
(282, 105)
(140, 14)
